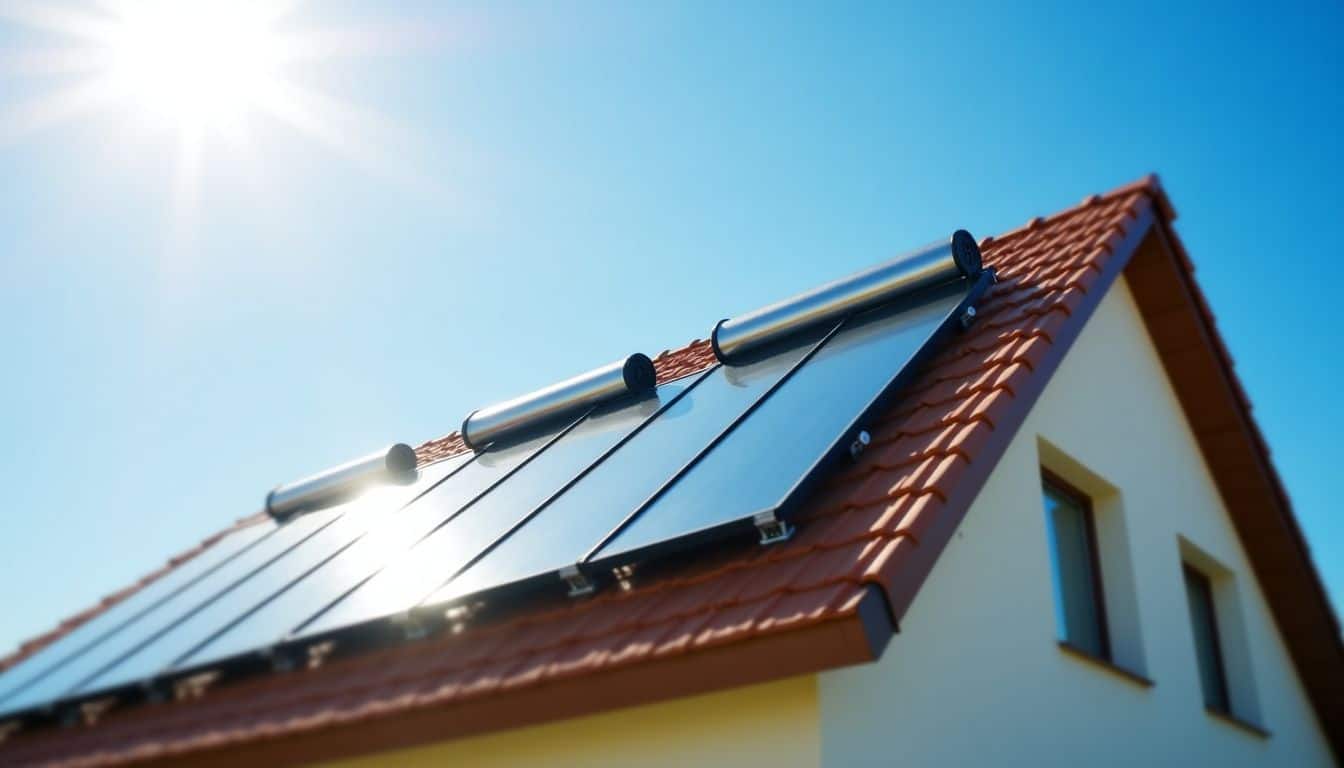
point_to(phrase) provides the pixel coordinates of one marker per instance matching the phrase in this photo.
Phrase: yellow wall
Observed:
(775, 724)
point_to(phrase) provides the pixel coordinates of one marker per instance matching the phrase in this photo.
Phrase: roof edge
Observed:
(1182, 327)
(857, 637)
(902, 589)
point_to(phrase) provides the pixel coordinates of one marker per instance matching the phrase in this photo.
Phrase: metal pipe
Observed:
(633, 375)
(394, 464)
(954, 258)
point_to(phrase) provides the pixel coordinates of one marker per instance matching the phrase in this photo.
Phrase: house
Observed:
(1062, 542)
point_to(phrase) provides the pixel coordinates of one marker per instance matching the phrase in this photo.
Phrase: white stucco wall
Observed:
(975, 675)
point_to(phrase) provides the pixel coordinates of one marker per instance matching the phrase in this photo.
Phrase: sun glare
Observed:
(201, 65)
(202, 69)
(201, 77)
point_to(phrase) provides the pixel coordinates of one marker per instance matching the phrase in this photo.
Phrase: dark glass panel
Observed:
(69, 676)
(127, 616)
(758, 465)
(567, 528)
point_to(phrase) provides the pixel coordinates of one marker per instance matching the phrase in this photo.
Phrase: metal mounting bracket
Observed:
(281, 660)
(412, 628)
(459, 616)
(967, 318)
(578, 581)
(154, 691)
(861, 442)
(772, 529)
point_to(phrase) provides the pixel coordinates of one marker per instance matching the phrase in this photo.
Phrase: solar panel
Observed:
(758, 466)
(563, 532)
(123, 615)
(409, 579)
(327, 530)
(615, 474)
(69, 676)
(341, 567)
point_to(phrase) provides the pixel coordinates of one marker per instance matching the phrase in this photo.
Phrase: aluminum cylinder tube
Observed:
(522, 415)
(393, 464)
(957, 257)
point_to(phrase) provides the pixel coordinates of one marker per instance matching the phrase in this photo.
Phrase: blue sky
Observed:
(516, 193)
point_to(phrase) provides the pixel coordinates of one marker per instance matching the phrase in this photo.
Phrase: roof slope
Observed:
(829, 596)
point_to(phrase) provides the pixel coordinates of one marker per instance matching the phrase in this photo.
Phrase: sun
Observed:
(198, 65)
(206, 77)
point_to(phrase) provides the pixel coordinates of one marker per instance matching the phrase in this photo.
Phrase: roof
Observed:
(865, 543)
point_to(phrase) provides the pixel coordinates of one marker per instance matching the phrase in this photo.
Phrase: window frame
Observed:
(1062, 487)
(1190, 574)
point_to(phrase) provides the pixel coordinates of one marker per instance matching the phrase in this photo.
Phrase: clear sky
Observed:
(281, 250)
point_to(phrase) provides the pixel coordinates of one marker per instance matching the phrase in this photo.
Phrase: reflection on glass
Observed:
(327, 530)
(410, 578)
(385, 537)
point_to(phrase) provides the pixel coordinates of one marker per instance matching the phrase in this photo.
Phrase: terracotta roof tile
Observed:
(865, 526)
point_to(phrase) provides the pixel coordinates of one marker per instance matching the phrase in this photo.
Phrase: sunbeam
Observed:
(203, 75)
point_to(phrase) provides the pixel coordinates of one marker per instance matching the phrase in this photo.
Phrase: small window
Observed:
(1079, 610)
(1208, 648)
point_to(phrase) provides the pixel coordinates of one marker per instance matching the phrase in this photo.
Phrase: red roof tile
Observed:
(879, 523)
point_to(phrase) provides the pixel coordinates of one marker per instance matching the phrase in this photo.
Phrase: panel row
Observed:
(703, 453)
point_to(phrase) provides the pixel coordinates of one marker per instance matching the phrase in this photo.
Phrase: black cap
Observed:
(638, 373)
(400, 459)
(966, 253)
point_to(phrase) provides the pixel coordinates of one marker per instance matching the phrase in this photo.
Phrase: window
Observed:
(1208, 648)
(1092, 575)
(1222, 661)
(1079, 610)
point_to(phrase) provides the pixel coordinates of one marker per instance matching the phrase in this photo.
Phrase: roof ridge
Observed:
(1149, 186)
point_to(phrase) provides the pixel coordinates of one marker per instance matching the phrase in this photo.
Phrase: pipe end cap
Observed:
(400, 459)
(639, 373)
(966, 254)
(719, 354)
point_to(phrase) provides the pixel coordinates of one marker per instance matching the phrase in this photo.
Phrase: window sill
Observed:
(1236, 722)
(1096, 661)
